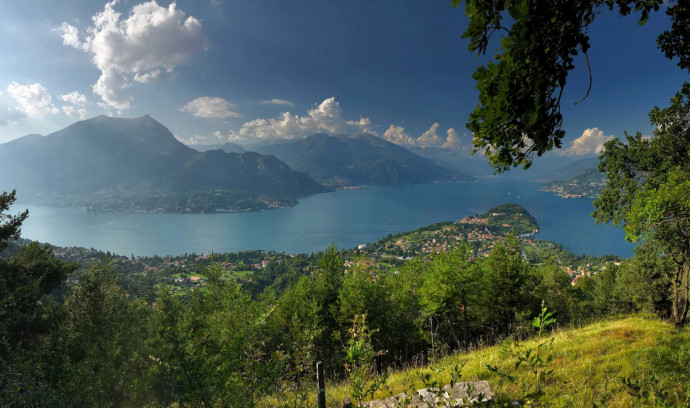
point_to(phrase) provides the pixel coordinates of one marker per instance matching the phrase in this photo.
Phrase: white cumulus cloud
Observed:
(325, 117)
(151, 40)
(277, 102)
(33, 99)
(74, 98)
(69, 110)
(210, 107)
(70, 35)
(591, 142)
(397, 135)
(430, 138)
(147, 77)
(453, 141)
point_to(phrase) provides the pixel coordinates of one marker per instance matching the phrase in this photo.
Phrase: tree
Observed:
(519, 110)
(28, 314)
(327, 284)
(505, 282)
(648, 191)
(10, 225)
(449, 293)
(211, 346)
(103, 341)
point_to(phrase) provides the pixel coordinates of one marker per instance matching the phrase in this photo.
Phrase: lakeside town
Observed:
(143, 275)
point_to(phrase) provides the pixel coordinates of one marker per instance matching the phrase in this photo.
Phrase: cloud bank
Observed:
(33, 99)
(325, 117)
(397, 135)
(210, 107)
(428, 139)
(591, 142)
(151, 41)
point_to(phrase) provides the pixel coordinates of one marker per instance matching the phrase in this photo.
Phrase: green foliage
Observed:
(647, 190)
(102, 344)
(520, 221)
(505, 279)
(537, 361)
(204, 201)
(26, 282)
(210, 349)
(10, 225)
(519, 109)
(360, 362)
(222, 343)
(448, 295)
(645, 395)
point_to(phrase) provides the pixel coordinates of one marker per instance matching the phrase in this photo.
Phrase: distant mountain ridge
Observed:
(575, 169)
(358, 159)
(226, 147)
(581, 178)
(105, 153)
(589, 184)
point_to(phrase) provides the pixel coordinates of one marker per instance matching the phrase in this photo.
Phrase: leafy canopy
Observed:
(519, 110)
(648, 191)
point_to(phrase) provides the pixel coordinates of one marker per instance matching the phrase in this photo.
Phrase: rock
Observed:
(457, 396)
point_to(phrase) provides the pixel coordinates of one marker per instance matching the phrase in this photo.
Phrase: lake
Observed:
(346, 218)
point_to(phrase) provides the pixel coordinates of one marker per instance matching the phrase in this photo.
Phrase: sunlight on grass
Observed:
(588, 365)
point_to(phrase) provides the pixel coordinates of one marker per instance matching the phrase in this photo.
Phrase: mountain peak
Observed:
(107, 153)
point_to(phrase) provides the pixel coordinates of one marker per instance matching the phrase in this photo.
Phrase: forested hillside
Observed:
(235, 339)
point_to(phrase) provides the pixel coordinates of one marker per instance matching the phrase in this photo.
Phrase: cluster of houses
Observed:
(586, 271)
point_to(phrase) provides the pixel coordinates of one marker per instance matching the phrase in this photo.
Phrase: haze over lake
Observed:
(346, 218)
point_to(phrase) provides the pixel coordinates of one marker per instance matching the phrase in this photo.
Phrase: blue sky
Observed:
(249, 71)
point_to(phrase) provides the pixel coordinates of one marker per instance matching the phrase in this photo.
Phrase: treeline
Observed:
(201, 201)
(226, 346)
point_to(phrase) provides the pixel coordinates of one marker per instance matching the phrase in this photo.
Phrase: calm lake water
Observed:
(346, 218)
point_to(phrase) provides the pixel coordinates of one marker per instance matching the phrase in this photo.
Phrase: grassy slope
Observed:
(588, 364)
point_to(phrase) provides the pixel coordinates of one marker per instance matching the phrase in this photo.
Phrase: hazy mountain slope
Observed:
(547, 168)
(358, 159)
(113, 153)
(588, 184)
(226, 147)
(473, 165)
(575, 168)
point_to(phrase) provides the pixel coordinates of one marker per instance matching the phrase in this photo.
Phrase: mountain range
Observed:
(358, 159)
(140, 154)
(226, 147)
(136, 161)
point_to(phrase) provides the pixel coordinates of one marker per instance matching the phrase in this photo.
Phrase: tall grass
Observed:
(588, 367)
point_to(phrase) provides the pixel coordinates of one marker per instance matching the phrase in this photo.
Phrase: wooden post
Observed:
(320, 380)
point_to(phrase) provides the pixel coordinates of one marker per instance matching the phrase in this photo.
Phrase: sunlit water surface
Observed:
(346, 218)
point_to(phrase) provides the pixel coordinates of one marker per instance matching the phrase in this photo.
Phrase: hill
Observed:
(511, 217)
(109, 156)
(589, 365)
(588, 184)
(575, 168)
(358, 159)
(226, 147)
(482, 231)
